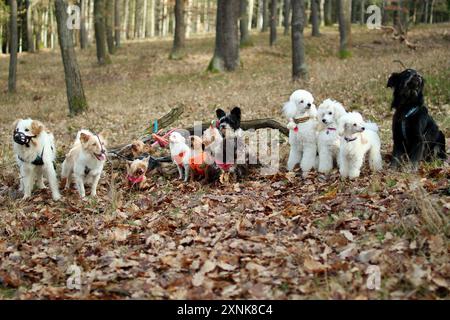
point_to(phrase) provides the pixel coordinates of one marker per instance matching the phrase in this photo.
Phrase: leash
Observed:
(411, 112)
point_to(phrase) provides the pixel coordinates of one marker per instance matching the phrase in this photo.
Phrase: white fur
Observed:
(76, 162)
(328, 140)
(30, 173)
(177, 145)
(303, 142)
(351, 154)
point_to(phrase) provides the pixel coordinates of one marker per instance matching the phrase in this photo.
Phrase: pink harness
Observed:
(224, 166)
(135, 180)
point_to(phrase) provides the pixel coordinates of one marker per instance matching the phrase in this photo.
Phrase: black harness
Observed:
(39, 161)
(411, 112)
(349, 139)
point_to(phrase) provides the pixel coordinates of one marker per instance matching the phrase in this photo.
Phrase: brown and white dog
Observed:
(35, 152)
(85, 161)
(136, 171)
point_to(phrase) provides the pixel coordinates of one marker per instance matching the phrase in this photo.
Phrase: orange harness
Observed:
(198, 163)
(179, 158)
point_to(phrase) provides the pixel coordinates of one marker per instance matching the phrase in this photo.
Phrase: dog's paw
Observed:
(56, 197)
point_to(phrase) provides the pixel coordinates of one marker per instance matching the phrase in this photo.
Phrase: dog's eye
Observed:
(27, 130)
(301, 101)
(330, 113)
(354, 124)
(94, 144)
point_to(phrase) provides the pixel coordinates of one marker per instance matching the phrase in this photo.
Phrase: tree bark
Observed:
(328, 14)
(75, 93)
(100, 32)
(362, 12)
(179, 38)
(299, 68)
(315, 18)
(109, 24)
(13, 46)
(30, 39)
(345, 31)
(243, 23)
(117, 28)
(83, 30)
(286, 14)
(265, 15)
(226, 53)
(273, 22)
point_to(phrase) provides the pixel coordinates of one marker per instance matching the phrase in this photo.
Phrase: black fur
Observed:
(231, 120)
(416, 135)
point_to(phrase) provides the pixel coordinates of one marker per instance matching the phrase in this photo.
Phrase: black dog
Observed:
(229, 121)
(416, 135)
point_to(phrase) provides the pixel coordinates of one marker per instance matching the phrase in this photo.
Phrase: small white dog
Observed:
(85, 162)
(328, 140)
(35, 152)
(180, 154)
(302, 115)
(358, 138)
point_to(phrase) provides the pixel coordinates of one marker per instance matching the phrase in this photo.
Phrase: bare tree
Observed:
(109, 25)
(75, 93)
(315, 18)
(265, 15)
(328, 12)
(226, 53)
(13, 46)
(286, 13)
(299, 68)
(244, 23)
(117, 31)
(273, 22)
(100, 32)
(345, 28)
(179, 38)
(83, 30)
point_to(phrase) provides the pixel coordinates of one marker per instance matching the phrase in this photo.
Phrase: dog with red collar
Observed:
(136, 173)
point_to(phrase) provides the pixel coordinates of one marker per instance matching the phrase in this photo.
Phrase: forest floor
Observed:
(274, 237)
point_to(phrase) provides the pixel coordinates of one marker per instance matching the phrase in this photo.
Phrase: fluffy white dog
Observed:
(180, 154)
(328, 139)
(357, 139)
(35, 152)
(302, 115)
(85, 161)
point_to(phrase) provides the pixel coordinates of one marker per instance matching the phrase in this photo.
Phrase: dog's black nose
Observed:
(309, 104)
(363, 128)
(324, 121)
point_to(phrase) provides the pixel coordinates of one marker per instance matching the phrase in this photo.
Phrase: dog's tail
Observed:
(371, 126)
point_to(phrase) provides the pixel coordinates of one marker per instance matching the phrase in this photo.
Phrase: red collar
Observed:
(224, 166)
(332, 129)
(135, 180)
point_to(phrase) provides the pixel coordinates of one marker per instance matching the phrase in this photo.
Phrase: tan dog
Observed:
(136, 171)
(138, 148)
(85, 161)
(35, 152)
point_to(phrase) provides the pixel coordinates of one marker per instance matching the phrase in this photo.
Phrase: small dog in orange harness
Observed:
(201, 162)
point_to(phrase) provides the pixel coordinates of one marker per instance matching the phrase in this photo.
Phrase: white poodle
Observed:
(328, 140)
(357, 138)
(302, 115)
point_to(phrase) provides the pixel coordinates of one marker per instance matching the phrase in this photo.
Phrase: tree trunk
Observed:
(265, 15)
(328, 14)
(251, 4)
(100, 32)
(345, 30)
(299, 68)
(30, 39)
(273, 22)
(286, 14)
(117, 31)
(83, 30)
(13, 46)
(109, 24)
(75, 93)
(180, 31)
(315, 21)
(243, 23)
(226, 53)
(362, 12)
(150, 28)
(431, 12)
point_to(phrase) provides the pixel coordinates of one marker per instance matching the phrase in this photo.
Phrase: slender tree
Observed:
(244, 24)
(74, 86)
(345, 28)
(273, 22)
(83, 31)
(100, 32)
(328, 12)
(109, 24)
(179, 38)
(265, 15)
(299, 68)
(13, 46)
(315, 18)
(226, 53)
(117, 31)
(286, 13)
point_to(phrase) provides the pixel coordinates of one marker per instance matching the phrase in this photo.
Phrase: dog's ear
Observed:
(84, 137)
(37, 127)
(103, 137)
(393, 80)
(341, 126)
(220, 113)
(339, 110)
(16, 123)
(236, 111)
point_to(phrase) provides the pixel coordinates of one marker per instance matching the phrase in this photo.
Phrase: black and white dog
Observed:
(229, 123)
(416, 135)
